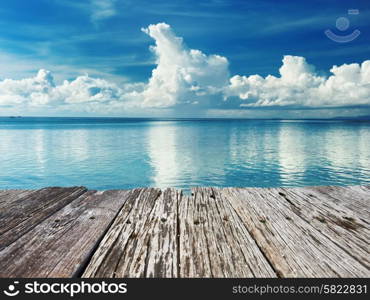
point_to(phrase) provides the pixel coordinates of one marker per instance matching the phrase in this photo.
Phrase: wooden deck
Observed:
(214, 232)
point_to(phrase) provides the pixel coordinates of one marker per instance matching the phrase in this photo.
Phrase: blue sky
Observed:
(103, 38)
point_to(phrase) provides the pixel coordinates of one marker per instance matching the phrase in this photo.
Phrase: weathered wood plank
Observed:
(331, 218)
(194, 258)
(9, 196)
(292, 245)
(61, 244)
(142, 241)
(214, 242)
(26, 211)
(288, 232)
(356, 199)
(162, 255)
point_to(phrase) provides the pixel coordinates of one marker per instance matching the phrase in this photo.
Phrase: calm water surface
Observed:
(127, 153)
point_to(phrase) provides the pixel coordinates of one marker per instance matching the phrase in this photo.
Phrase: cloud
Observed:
(98, 10)
(300, 86)
(29, 91)
(182, 75)
(82, 93)
(102, 9)
(186, 79)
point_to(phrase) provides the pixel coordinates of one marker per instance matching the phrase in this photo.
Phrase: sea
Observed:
(124, 153)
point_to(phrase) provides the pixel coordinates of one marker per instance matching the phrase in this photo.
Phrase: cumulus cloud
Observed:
(31, 91)
(41, 90)
(187, 77)
(182, 75)
(300, 86)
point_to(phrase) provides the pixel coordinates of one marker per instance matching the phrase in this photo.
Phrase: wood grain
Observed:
(25, 211)
(214, 242)
(331, 218)
(61, 245)
(356, 199)
(142, 240)
(214, 232)
(9, 196)
(292, 245)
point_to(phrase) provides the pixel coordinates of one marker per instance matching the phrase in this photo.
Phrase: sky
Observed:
(194, 58)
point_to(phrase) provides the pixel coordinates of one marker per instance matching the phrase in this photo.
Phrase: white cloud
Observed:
(98, 10)
(189, 78)
(83, 92)
(31, 91)
(182, 75)
(102, 9)
(299, 85)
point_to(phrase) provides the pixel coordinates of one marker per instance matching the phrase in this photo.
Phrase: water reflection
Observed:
(77, 145)
(292, 156)
(39, 149)
(163, 154)
(363, 153)
(184, 154)
(347, 153)
(338, 148)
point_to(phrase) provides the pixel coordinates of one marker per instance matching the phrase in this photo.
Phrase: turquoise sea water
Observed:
(126, 153)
